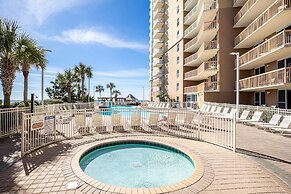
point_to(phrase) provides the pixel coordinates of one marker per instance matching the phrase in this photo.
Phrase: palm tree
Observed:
(89, 75)
(68, 81)
(99, 89)
(29, 54)
(110, 86)
(8, 59)
(116, 93)
(82, 70)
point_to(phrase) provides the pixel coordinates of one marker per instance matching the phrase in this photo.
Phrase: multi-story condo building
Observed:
(264, 41)
(191, 42)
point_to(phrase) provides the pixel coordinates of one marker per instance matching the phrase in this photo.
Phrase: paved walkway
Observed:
(227, 172)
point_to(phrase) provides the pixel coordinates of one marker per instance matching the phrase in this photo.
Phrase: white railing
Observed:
(41, 129)
(11, 118)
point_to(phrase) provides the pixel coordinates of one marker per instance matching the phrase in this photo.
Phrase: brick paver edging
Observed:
(200, 179)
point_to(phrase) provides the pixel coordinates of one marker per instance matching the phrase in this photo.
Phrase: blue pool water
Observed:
(137, 165)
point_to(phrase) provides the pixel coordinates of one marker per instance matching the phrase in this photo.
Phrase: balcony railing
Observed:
(195, 89)
(209, 65)
(263, 19)
(211, 45)
(207, 6)
(279, 40)
(207, 26)
(244, 10)
(211, 86)
(273, 78)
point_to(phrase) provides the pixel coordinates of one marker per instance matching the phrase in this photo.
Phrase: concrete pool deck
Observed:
(48, 169)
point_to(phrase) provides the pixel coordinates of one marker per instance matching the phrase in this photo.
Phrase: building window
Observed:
(282, 98)
(178, 47)
(260, 98)
(178, 72)
(177, 86)
(284, 63)
(177, 98)
(178, 60)
(178, 22)
(178, 9)
(260, 70)
(178, 32)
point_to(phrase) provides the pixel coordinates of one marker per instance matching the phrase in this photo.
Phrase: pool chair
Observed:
(255, 118)
(212, 110)
(152, 123)
(80, 124)
(244, 116)
(231, 114)
(74, 107)
(225, 110)
(116, 124)
(218, 110)
(97, 123)
(283, 127)
(135, 122)
(274, 121)
(203, 108)
(167, 105)
(207, 109)
(170, 121)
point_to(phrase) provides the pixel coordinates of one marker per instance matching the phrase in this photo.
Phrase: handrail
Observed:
(274, 9)
(276, 41)
(244, 10)
(275, 77)
(205, 66)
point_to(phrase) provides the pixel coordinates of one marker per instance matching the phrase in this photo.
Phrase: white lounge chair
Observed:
(207, 109)
(97, 123)
(283, 127)
(151, 122)
(273, 122)
(135, 121)
(225, 110)
(80, 124)
(255, 118)
(218, 110)
(244, 115)
(213, 108)
(116, 124)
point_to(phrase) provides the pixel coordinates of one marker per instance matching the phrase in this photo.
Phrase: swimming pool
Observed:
(137, 164)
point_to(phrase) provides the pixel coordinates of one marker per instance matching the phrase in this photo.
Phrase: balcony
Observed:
(277, 47)
(159, 63)
(209, 7)
(250, 11)
(204, 53)
(160, 73)
(204, 71)
(195, 89)
(158, 53)
(159, 43)
(277, 79)
(159, 4)
(276, 17)
(238, 3)
(159, 24)
(205, 35)
(189, 4)
(208, 13)
(159, 13)
(158, 34)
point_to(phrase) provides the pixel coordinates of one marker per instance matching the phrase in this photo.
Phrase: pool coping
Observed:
(194, 178)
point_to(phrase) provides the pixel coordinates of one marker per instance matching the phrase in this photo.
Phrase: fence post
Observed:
(234, 133)
(17, 119)
(22, 136)
(199, 125)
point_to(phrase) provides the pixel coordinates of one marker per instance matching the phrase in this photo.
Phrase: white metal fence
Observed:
(42, 128)
(11, 118)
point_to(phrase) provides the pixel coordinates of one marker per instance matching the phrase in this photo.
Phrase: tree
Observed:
(163, 96)
(111, 86)
(68, 81)
(82, 70)
(8, 58)
(29, 54)
(89, 75)
(116, 93)
(99, 89)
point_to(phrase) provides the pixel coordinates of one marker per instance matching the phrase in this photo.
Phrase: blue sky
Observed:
(110, 35)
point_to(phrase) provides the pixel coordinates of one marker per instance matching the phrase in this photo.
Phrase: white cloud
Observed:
(93, 36)
(31, 12)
